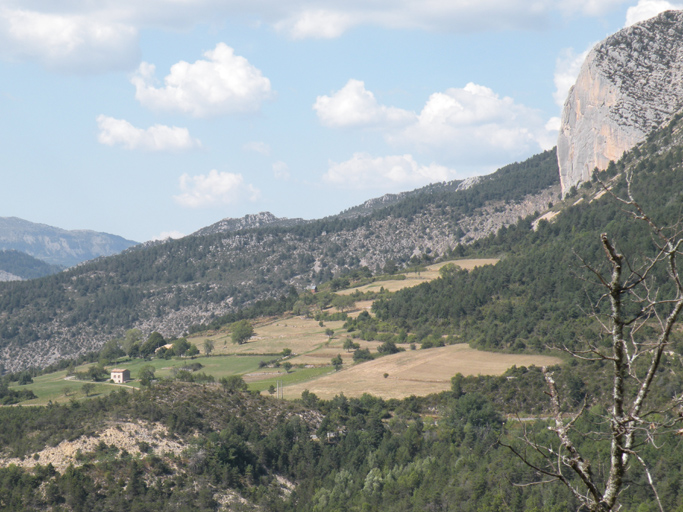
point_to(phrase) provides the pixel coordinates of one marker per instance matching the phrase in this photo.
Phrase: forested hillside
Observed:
(184, 446)
(168, 287)
(540, 294)
(24, 266)
(482, 446)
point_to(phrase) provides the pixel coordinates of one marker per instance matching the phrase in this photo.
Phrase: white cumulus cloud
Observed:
(155, 138)
(215, 188)
(462, 124)
(224, 83)
(646, 9)
(353, 105)
(68, 42)
(363, 171)
(457, 125)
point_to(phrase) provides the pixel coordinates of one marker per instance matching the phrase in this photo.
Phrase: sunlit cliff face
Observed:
(630, 84)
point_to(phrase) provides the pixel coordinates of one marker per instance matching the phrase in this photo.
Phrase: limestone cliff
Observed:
(630, 83)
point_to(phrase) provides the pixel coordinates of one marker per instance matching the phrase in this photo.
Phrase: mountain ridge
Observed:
(58, 246)
(169, 286)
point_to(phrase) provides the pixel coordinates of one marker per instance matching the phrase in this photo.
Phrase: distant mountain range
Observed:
(57, 246)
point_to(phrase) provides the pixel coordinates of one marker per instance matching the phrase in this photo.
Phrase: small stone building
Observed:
(120, 376)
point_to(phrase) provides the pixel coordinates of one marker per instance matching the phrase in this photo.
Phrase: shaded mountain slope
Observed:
(23, 266)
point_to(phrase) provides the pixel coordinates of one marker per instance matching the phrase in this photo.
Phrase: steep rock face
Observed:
(630, 84)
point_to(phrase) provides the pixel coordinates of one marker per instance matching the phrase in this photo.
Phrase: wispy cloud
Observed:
(86, 36)
(363, 171)
(281, 171)
(155, 138)
(257, 147)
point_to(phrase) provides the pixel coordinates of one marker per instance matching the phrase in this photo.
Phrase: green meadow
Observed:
(58, 387)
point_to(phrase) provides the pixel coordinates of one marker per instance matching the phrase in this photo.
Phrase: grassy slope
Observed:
(419, 373)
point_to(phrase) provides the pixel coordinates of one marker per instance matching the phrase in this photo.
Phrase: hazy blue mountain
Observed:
(58, 246)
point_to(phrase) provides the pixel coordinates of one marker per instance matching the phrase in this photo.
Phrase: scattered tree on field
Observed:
(88, 388)
(343, 302)
(337, 362)
(208, 347)
(349, 345)
(242, 331)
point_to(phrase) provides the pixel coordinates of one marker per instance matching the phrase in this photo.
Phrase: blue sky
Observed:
(146, 119)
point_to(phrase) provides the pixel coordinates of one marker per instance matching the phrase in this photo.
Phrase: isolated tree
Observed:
(388, 347)
(287, 366)
(349, 345)
(343, 302)
(242, 331)
(645, 302)
(208, 347)
(337, 362)
(88, 388)
(286, 352)
(329, 332)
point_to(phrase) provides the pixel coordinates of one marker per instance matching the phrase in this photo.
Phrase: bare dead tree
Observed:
(635, 301)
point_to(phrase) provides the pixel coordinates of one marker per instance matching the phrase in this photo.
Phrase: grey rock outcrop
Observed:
(629, 84)
(249, 221)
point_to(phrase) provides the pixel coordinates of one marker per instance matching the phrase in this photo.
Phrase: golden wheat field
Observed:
(415, 278)
(418, 372)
